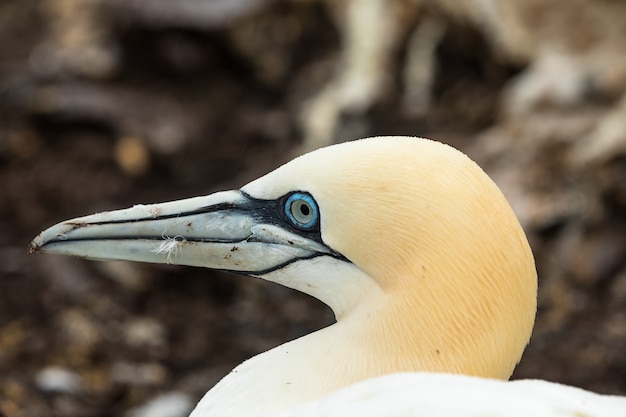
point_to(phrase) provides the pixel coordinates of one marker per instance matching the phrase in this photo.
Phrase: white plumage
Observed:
(446, 395)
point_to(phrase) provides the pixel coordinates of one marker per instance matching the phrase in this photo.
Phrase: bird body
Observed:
(410, 243)
(422, 394)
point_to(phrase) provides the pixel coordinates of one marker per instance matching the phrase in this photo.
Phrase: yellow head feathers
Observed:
(433, 231)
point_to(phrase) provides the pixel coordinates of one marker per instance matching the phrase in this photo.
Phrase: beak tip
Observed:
(33, 246)
(52, 234)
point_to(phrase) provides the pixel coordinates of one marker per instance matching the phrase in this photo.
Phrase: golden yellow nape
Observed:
(409, 242)
(456, 275)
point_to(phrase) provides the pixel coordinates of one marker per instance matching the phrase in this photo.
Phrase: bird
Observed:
(416, 250)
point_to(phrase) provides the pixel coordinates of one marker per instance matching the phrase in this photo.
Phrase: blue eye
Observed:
(302, 211)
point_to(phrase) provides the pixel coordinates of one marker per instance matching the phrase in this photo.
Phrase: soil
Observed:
(165, 105)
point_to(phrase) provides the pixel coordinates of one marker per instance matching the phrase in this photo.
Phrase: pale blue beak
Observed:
(229, 231)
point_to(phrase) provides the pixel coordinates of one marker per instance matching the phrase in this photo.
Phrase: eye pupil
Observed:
(301, 211)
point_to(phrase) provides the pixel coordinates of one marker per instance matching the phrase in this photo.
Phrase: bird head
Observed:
(406, 229)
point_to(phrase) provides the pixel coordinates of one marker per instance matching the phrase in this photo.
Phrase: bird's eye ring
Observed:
(302, 211)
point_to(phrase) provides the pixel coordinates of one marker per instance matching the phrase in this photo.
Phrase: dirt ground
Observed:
(105, 104)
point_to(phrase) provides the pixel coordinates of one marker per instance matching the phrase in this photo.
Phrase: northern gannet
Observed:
(411, 244)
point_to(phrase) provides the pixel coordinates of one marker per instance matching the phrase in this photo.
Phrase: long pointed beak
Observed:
(228, 231)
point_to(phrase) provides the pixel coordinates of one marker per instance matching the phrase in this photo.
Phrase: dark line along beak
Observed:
(227, 231)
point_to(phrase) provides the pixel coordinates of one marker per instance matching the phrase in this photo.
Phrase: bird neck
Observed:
(298, 371)
(380, 336)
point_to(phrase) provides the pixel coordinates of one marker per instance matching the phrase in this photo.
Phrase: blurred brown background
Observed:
(108, 103)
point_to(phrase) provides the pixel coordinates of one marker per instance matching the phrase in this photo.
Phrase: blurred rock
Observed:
(59, 380)
(79, 330)
(132, 155)
(146, 335)
(171, 404)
